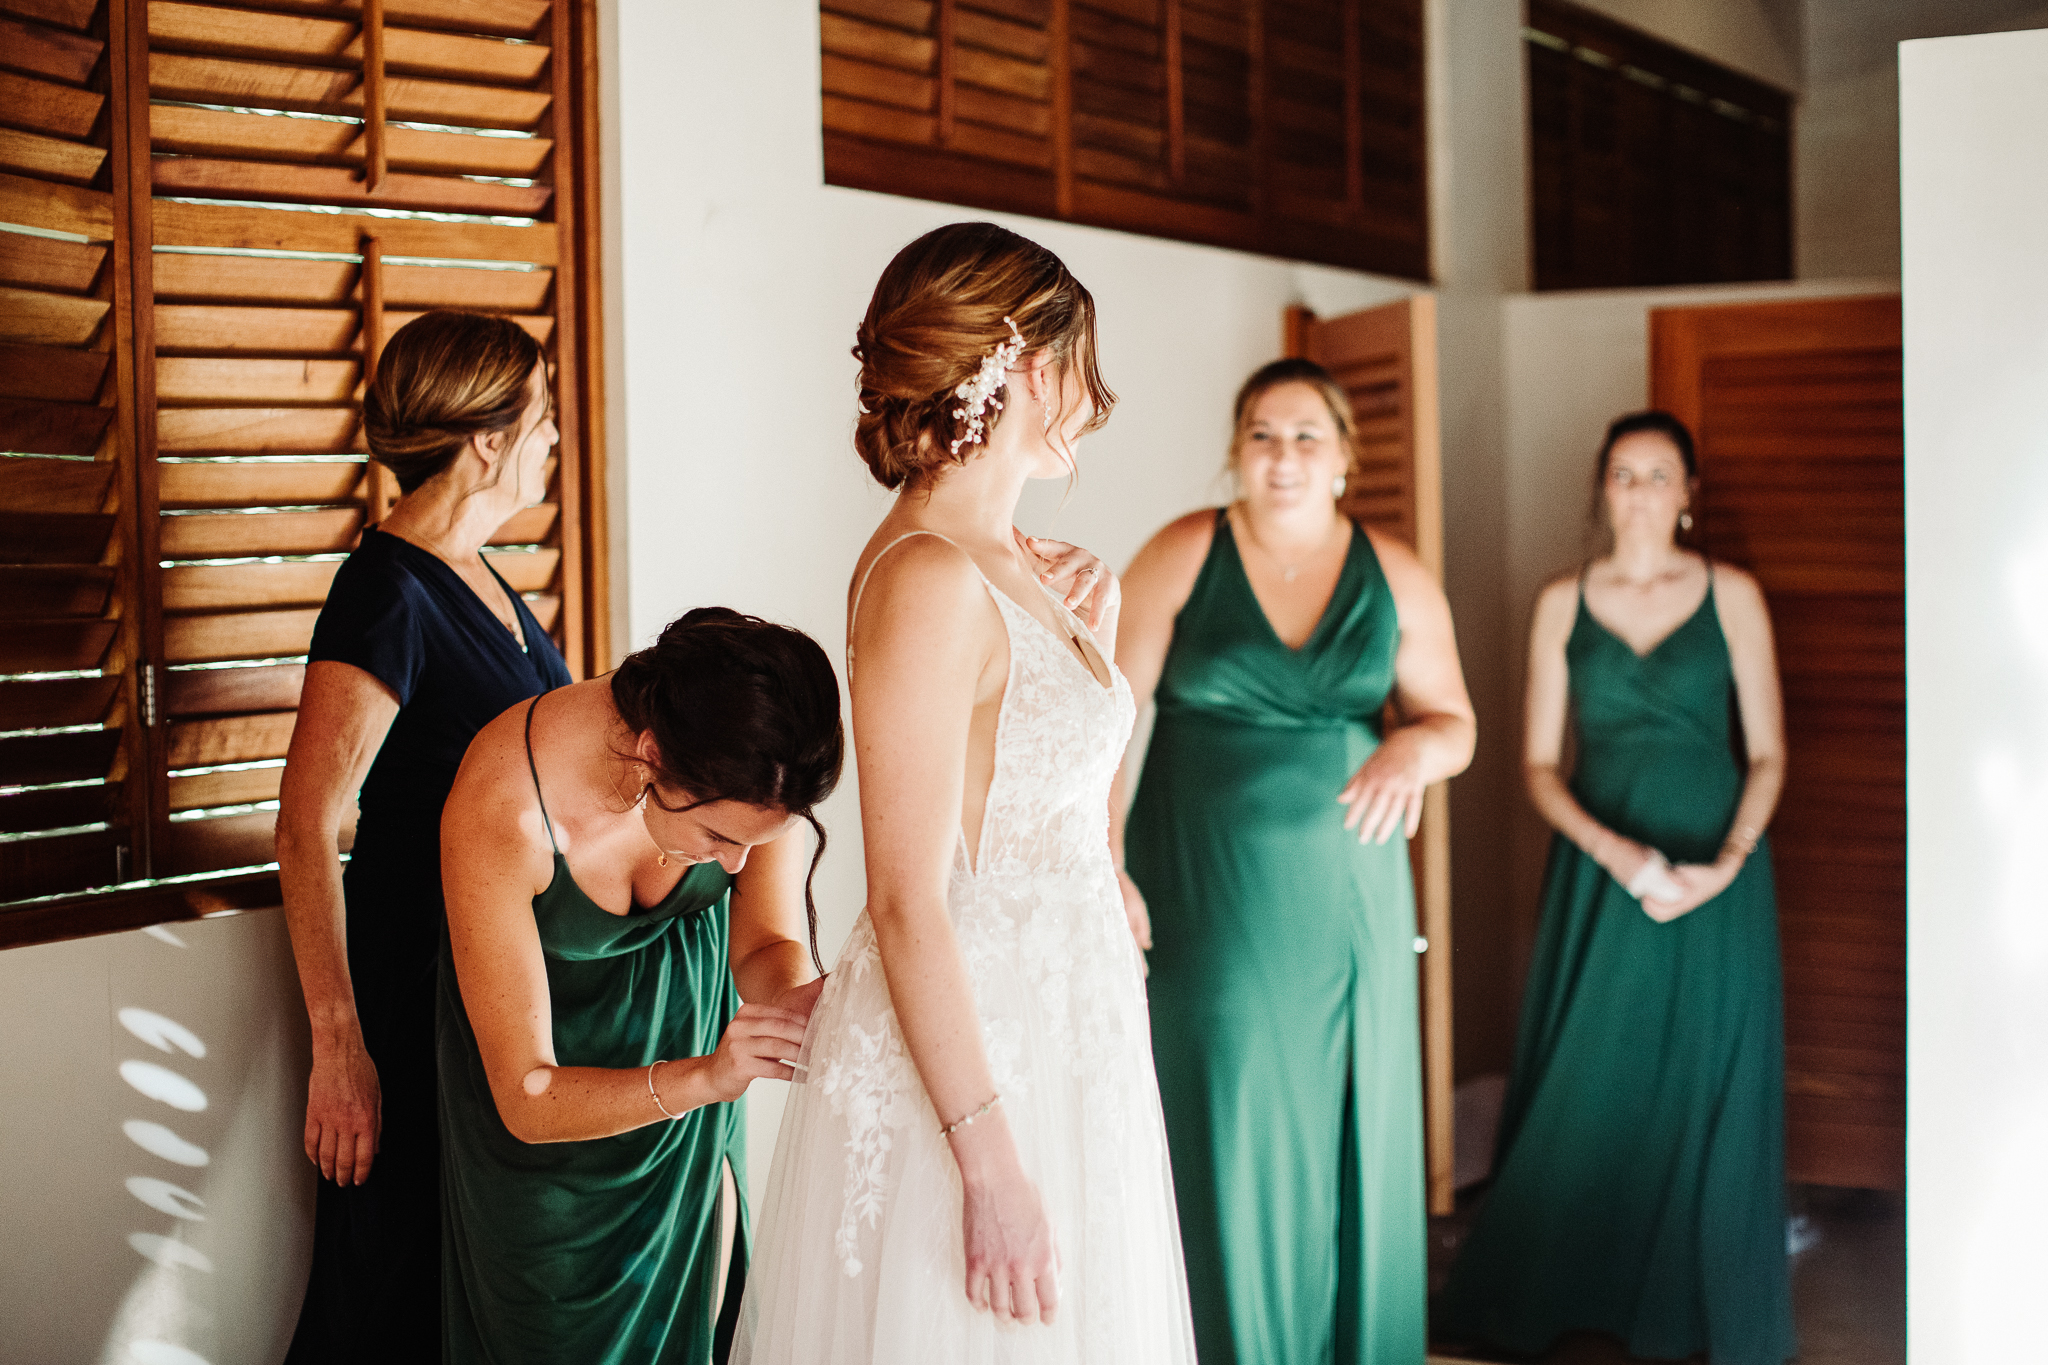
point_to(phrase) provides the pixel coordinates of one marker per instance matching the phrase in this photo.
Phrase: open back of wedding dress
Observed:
(860, 1253)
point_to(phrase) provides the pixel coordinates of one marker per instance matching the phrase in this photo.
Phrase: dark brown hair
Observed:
(937, 311)
(443, 378)
(743, 710)
(1271, 376)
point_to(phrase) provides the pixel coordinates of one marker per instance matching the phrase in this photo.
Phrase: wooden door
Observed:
(1798, 414)
(1386, 360)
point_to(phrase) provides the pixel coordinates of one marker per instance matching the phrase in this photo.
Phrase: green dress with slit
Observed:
(1283, 979)
(602, 1252)
(1639, 1181)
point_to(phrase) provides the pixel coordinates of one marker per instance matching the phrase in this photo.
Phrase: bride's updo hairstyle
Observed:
(937, 313)
(743, 710)
(443, 378)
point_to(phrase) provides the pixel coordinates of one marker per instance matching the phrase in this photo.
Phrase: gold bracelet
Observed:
(1735, 840)
(947, 1130)
(651, 1092)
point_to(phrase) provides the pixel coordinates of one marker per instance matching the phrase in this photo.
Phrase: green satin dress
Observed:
(603, 1252)
(1639, 1183)
(1283, 979)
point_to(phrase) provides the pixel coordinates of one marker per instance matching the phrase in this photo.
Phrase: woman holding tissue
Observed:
(1638, 1184)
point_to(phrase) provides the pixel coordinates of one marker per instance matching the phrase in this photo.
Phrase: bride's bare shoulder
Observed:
(922, 585)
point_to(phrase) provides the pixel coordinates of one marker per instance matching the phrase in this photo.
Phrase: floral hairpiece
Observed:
(978, 394)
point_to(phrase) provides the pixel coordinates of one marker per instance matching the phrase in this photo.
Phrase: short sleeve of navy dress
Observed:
(403, 616)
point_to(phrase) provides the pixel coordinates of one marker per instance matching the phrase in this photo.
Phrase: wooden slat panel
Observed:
(528, 526)
(225, 789)
(506, 18)
(234, 483)
(225, 225)
(545, 607)
(218, 132)
(48, 51)
(234, 841)
(52, 428)
(256, 279)
(53, 485)
(50, 158)
(231, 739)
(246, 33)
(261, 533)
(53, 646)
(29, 317)
(50, 372)
(50, 592)
(61, 701)
(526, 570)
(48, 867)
(222, 691)
(59, 809)
(47, 107)
(253, 430)
(54, 538)
(203, 379)
(208, 587)
(30, 760)
(267, 85)
(70, 13)
(42, 263)
(204, 177)
(209, 327)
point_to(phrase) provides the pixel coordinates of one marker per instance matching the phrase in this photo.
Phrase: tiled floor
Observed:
(1848, 1290)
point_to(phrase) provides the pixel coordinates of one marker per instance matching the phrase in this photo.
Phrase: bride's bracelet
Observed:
(947, 1129)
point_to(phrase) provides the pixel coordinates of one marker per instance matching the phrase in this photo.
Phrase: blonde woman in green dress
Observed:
(1639, 1182)
(1308, 691)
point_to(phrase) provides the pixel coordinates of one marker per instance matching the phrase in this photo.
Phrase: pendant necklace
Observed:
(1288, 572)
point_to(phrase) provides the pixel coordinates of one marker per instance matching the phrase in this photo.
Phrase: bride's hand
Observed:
(1091, 590)
(1136, 915)
(1013, 1258)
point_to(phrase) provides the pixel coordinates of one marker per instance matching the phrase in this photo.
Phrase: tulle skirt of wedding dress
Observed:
(859, 1256)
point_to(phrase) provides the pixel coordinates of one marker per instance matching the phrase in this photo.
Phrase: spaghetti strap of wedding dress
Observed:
(860, 1256)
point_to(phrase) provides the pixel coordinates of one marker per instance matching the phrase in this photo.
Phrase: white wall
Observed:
(1975, 180)
(96, 1265)
(743, 278)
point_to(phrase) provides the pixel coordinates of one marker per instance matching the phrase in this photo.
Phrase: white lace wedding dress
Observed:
(859, 1250)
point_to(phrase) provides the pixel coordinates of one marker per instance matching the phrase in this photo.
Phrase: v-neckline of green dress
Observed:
(1644, 656)
(1323, 625)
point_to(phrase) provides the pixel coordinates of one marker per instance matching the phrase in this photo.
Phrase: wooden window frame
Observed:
(131, 180)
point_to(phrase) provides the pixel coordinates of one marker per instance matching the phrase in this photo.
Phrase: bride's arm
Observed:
(930, 647)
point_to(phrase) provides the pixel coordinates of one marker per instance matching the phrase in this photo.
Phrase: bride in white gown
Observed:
(974, 1168)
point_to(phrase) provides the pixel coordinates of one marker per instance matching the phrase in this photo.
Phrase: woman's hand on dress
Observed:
(344, 1110)
(1085, 583)
(759, 1044)
(1013, 1258)
(1385, 794)
(1136, 915)
(1701, 882)
(801, 1000)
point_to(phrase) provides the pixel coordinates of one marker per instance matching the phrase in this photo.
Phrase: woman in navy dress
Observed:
(420, 645)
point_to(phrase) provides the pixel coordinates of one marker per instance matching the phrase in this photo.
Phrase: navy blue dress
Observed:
(403, 616)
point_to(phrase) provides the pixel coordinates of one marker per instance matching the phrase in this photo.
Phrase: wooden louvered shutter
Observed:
(1798, 412)
(1386, 360)
(1293, 127)
(290, 181)
(263, 315)
(70, 801)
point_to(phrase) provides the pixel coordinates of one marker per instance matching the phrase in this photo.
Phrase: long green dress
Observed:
(603, 1252)
(1283, 979)
(1639, 1184)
